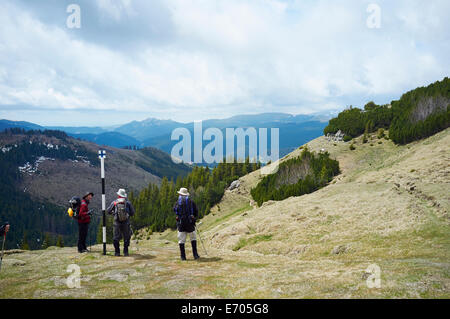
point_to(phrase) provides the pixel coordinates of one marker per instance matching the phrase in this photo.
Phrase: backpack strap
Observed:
(179, 206)
(189, 207)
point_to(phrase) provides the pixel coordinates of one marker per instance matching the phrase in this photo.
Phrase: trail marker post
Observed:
(101, 156)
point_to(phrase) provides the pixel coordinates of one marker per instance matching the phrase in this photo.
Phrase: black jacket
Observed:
(187, 214)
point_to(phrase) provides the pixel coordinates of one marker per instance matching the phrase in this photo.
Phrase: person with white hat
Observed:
(187, 213)
(122, 209)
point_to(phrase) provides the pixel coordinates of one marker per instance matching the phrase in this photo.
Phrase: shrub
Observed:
(297, 176)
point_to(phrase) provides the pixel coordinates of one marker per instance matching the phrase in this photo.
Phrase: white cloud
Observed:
(220, 58)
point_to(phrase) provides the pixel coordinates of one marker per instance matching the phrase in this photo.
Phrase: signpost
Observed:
(102, 155)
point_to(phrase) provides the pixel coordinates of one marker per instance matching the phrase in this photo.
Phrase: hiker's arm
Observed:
(131, 209)
(110, 208)
(175, 209)
(194, 208)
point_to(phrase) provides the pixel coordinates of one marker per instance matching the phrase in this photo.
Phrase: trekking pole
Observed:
(3, 250)
(206, 253)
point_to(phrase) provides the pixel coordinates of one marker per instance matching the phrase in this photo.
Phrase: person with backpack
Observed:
(84, 218)
(186, 214)
(122, 209)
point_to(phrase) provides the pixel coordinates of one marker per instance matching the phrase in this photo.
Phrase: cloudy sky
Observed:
(197, 59)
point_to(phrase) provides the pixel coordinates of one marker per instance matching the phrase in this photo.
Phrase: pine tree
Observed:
(46, 243)
(60, 242)
(25, 245)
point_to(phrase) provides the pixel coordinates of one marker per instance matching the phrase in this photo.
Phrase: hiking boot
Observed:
(125, 251)
(182, 252)
(116, 249)
(194, 249)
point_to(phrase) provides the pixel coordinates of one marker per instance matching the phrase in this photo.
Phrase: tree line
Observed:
(400, 117)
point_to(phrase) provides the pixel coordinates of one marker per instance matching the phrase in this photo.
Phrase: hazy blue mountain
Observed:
(4, 124)
(79, 130)
(150, 127)
(114, 139)
(294, 130)
(291, 134)
(257, 120)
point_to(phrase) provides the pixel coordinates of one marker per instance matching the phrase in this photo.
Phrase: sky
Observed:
(189, 60)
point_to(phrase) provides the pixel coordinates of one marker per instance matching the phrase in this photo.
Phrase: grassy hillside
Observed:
(388, 207)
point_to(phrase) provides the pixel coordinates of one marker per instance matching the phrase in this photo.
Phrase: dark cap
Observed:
(88, 193)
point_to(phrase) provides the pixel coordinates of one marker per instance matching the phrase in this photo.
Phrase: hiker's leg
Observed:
(193, 237)
(85, 234)
(181, 241)
(182, 237)
(116, 239)
(126, 238)
(80, 236)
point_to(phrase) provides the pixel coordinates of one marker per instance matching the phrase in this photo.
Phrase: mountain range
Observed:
(293, 129)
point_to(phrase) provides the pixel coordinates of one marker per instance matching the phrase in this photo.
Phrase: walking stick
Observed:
(3, 250)
(206, 253)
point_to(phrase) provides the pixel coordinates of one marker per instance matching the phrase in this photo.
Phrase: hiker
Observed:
(84, 218)
(4, 229)
(187, 213)
(122, 210)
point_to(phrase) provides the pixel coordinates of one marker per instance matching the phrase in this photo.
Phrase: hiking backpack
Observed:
(121, 210)
(75, 204)
(186, 210)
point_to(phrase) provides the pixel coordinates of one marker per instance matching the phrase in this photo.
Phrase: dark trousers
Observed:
(122, 229)
(82, 235)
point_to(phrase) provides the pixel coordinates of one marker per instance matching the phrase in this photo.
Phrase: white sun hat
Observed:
(122, 193)
(183, 191)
